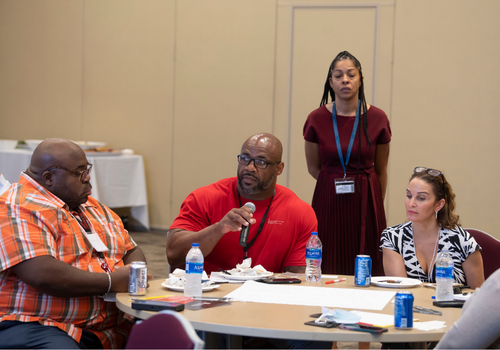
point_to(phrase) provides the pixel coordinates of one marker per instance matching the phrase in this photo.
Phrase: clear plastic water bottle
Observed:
(314, 250)
(194, 271)
(444, 276)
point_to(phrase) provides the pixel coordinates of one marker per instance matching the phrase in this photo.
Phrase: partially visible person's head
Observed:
(259, 164)
(432, 192)
(328, 90)
(61, 167)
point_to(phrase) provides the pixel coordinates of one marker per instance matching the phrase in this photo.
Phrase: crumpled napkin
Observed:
(178, 278)
(337, 315)
(429, 325)
(245, 269)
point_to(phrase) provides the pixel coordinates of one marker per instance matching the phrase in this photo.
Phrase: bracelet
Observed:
(109, 279)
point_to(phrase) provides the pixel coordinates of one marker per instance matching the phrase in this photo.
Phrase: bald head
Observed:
(257, 179)
(268, 142)
(52, 152)
(61, 167)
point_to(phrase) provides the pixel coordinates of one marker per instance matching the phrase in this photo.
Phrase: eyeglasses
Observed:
(83, 173)
(432, 172)
(259, 163)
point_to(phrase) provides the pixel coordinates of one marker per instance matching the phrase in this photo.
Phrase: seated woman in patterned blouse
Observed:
(410, 249)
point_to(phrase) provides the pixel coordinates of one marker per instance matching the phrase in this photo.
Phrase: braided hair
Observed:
(344, 55)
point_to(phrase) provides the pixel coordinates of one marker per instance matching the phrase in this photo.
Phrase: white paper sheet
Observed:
(375, 319)
(312, 296)
(429, 325)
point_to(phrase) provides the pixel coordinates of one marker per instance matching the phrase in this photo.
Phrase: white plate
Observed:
(181, 289)
(248, 278)
(405, 282)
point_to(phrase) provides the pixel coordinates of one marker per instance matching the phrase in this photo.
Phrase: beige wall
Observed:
(185, 82)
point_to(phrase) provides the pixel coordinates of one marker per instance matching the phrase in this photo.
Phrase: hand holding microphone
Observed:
(246, 229)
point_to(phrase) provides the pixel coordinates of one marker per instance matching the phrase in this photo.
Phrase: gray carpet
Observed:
(153, 244)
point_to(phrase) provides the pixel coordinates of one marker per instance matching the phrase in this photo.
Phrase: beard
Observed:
(258, 188)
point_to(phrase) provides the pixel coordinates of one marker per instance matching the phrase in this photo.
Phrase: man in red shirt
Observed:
(61, 252)
(213, 216)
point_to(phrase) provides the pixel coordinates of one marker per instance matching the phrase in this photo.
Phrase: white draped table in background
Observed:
(117, 180)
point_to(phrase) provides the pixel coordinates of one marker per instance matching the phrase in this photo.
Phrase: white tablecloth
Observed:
(117, 180)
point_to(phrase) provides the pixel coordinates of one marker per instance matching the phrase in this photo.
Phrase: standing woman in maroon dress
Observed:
(347, 151)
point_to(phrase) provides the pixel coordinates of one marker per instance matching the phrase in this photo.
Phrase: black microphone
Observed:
(246, 229)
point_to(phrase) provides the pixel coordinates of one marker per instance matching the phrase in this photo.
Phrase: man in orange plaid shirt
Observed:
(61, 251)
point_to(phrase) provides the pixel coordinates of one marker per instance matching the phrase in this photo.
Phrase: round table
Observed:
(287, 321)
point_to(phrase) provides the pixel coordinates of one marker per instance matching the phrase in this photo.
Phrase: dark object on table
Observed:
(280, 280)
(326, 324)
(449, 303)
(458, 289)
(363, 328)
(154, 305)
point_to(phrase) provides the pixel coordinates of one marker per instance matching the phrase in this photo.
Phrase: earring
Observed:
(437, 215)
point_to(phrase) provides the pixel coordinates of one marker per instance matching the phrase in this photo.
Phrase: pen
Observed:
(425, 310)
(335, 281)
(150, 298)
(211, 299)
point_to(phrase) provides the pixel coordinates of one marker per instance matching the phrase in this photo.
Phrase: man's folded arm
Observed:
(54, 277)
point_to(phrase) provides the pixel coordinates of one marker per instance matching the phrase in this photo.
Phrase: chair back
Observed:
(165, 330)
(490, 250)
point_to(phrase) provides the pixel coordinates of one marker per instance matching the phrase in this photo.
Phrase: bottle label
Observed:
(192, 267)
(313, 253)
(444, 272)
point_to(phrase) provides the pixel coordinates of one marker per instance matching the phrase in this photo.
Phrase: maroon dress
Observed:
(348, 224)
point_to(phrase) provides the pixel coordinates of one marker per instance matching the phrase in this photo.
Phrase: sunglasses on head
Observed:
(432, 172)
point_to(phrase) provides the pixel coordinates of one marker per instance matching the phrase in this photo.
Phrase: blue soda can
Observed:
(363, 271)
(403, 310)
(138, 278)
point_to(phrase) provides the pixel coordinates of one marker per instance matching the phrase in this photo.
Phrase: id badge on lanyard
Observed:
(346, 184)
(96, 242)
(93, 238)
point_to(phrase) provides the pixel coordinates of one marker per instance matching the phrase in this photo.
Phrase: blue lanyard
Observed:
(337, 138)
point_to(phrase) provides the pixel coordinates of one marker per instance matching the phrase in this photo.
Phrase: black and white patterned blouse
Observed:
(457, 241)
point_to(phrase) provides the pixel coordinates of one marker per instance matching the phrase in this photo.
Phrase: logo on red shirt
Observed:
(275, 222)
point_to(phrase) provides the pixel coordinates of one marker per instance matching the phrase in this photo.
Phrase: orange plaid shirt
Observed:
(34, 222)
